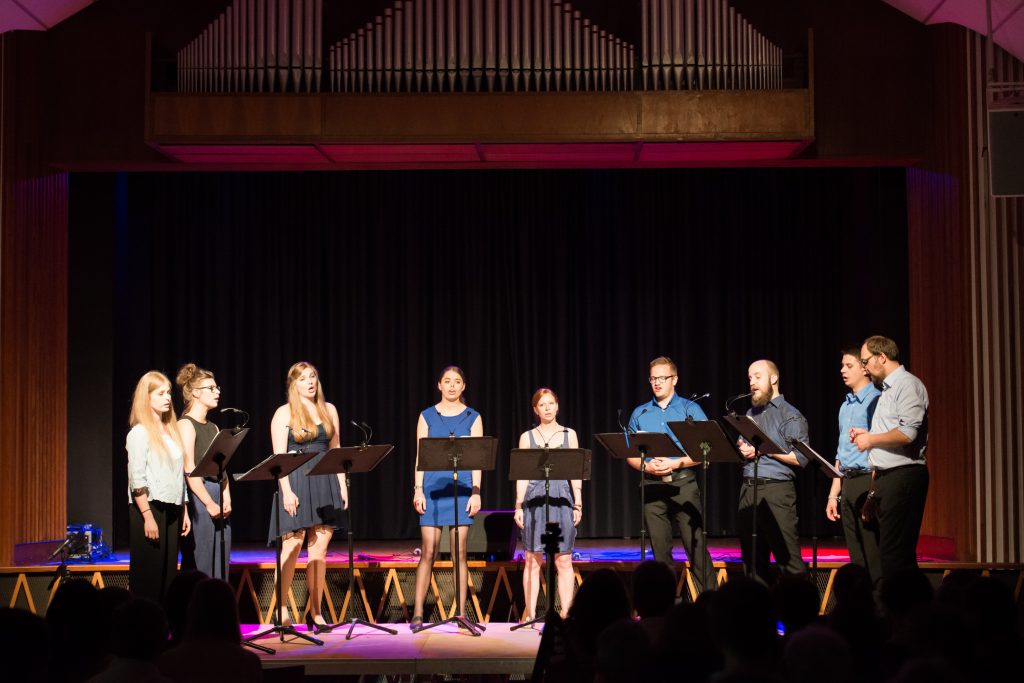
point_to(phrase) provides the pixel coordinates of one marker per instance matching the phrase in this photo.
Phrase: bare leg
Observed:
(531, 584)
(566, 581)
(430, 543)
(290, 547)
(316, 569)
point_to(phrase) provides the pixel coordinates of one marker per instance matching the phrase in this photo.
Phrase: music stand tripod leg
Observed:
(355, 621)
(279, 628)
(549, 557)
(457, 619)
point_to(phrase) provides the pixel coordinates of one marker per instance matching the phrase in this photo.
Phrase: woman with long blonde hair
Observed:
(312, 505)
(201, 394)
(156, 488)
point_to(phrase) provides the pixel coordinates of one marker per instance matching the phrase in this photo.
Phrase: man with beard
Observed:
(671, 493)
(775, 506)
(895, 446)
(846, 499)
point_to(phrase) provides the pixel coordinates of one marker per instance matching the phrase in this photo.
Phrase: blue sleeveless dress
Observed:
(319, 495)
(438, 487)
(561, 502)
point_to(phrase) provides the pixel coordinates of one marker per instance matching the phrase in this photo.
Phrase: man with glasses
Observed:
(671, 492)
(846, 499)
(895, 446)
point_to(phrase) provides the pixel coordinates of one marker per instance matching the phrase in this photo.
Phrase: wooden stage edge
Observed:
(382, 591)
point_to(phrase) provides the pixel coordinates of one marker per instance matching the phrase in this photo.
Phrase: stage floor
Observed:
(444, 650)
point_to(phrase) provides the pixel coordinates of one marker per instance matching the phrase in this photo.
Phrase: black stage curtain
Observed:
(567, 279)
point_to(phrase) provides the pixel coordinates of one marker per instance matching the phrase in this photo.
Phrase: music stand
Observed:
(275, 468)
(214, 463)
(832, 473)
(763, 445)
(621, 445)
(548, 464)
(452, 454)
(705, 442)
(352, 460)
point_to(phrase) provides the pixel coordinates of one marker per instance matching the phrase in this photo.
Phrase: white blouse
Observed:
(163, 476)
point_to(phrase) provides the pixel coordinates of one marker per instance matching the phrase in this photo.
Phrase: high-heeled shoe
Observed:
(315, 626)
(286, 619)
(416, 623)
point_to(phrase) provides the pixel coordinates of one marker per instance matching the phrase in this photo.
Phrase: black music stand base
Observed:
(348, 469)
(278, 628)
(454, 458)
(551, 536)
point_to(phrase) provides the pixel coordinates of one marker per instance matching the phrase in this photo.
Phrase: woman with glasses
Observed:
(433, 491)
(156, 488)
(311, 505)
(565, 506)
(200, 394)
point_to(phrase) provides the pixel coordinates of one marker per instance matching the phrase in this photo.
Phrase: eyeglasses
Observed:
(212, 387)
(864, 361)
(659, 380)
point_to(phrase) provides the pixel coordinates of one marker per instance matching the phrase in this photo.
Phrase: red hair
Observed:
(539, 394)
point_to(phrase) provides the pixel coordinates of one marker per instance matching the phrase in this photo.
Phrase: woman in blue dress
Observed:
(312, 505)
(433, 491)
(566, 506)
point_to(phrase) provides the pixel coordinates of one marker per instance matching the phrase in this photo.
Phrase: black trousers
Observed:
(861, 538)
(776, 530)
(679, 502)
(154, 564)
(900, 496)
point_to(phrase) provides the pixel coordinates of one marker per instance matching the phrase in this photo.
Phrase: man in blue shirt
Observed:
(671, 491)
(775, 505)
(846, 499)
(895, 446)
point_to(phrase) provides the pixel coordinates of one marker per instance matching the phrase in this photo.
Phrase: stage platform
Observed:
(385, 575)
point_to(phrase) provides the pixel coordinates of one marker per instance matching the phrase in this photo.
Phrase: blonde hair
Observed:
(303, 427)
(189, 375)
(142, 413)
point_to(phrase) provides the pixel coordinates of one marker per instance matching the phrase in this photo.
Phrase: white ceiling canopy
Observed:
(37, 15)
(1007, 18)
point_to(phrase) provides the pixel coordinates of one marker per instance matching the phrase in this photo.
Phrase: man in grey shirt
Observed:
(896, 447)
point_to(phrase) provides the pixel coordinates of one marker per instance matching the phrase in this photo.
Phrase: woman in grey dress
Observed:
(311, 505)
(201, 394)
(566, 506)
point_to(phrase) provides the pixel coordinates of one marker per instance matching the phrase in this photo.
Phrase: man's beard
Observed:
(761, 398)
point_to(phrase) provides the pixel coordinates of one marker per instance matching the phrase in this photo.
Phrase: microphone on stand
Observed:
(728, 404)
(244, 416)
(363, 427)
(694, 399)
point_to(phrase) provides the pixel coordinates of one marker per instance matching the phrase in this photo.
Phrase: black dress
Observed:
(319, 496)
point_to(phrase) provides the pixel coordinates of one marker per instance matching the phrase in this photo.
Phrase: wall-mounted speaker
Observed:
(1006, 151)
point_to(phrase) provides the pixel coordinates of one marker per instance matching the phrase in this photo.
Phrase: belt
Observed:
(761, 481)
(677, 475)
(853, 474)
(887, 470)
